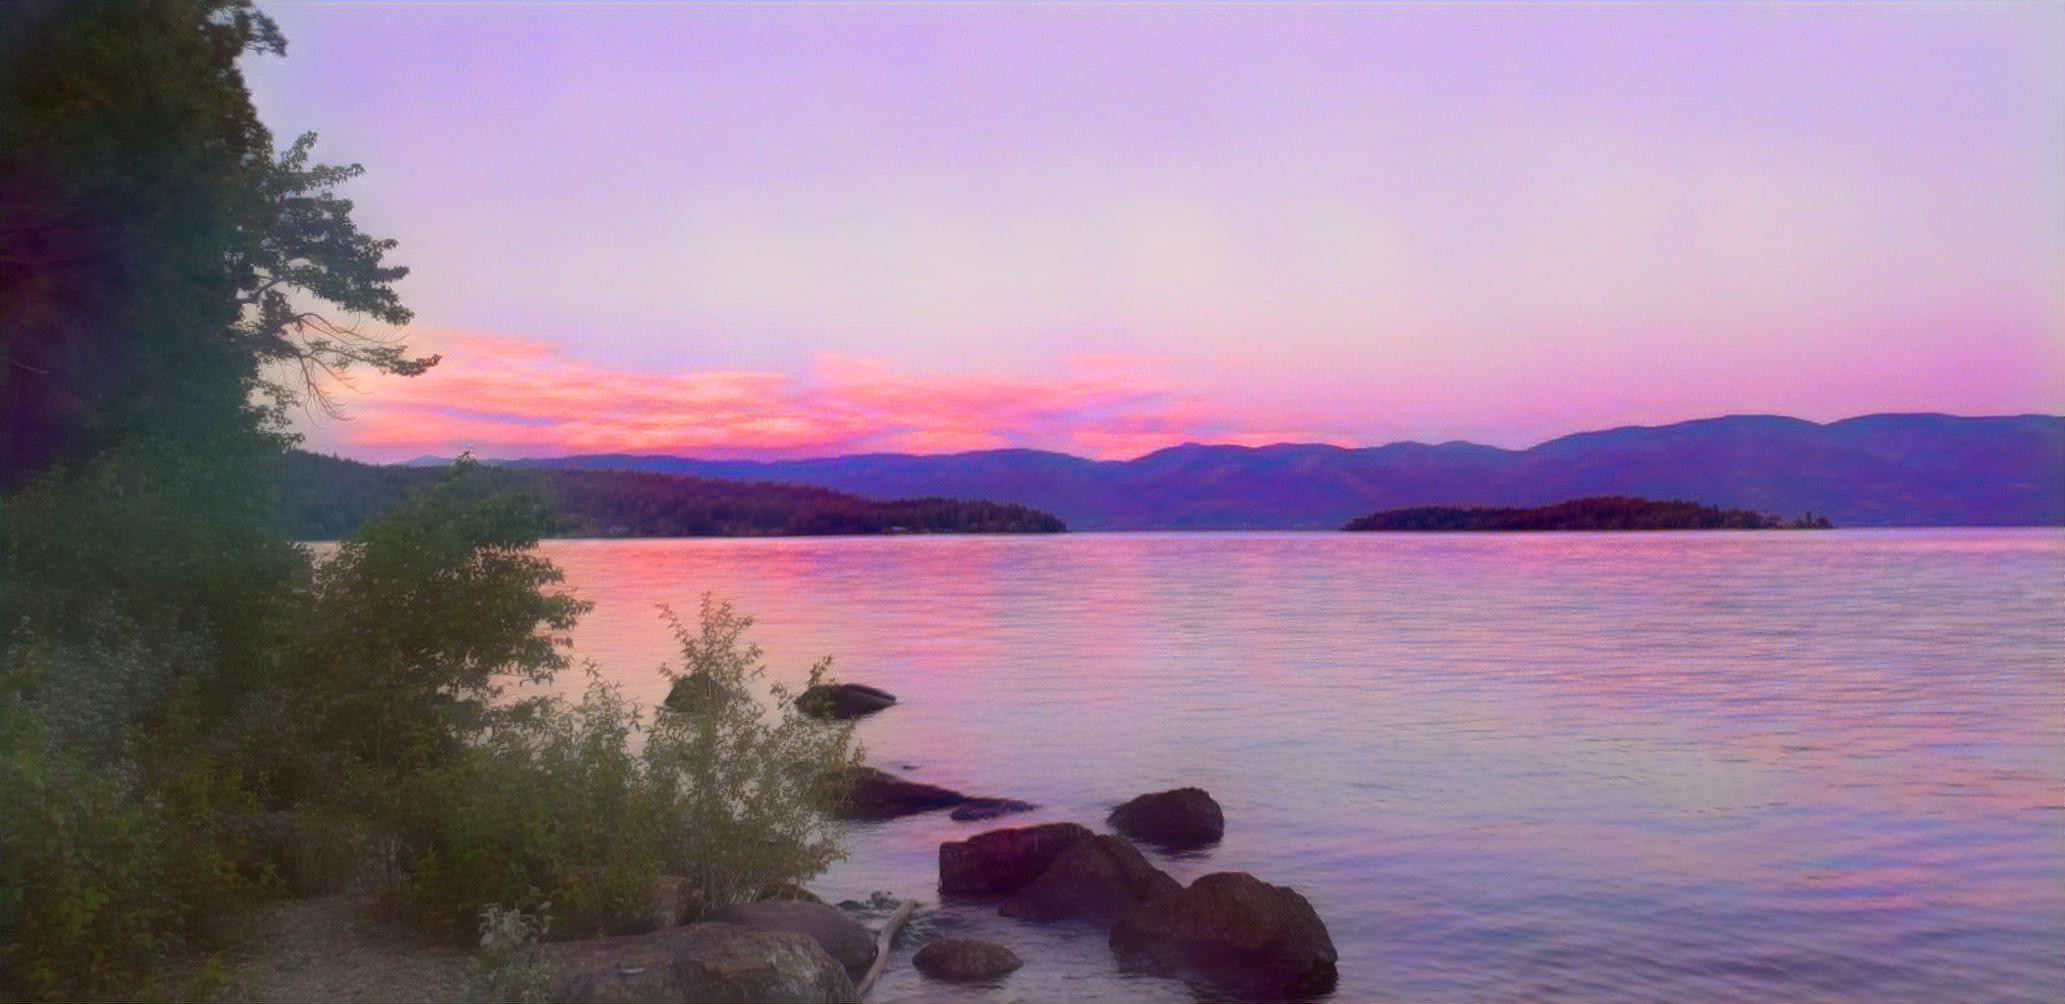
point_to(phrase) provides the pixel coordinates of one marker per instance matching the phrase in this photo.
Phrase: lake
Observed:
(1643, 766)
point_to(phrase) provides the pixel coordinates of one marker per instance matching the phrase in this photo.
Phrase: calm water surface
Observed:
(1688, 767)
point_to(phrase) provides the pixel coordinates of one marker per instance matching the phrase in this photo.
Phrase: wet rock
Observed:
(1231, 929)
(841, 701)
(1097, 879)
(698, 962)
(1180, 819)
(1004, 861)
(842, 938)
(965, 960)
(871, 794)
(989, 808)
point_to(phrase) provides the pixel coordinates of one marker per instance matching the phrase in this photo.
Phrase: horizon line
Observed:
(1196, 444)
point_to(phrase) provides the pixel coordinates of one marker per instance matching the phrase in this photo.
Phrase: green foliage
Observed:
(170, 664)
(108, 857)
(125, 130)
(746, 781)
(161, 255)
(548, 805)
(172, 538)
(300, 244)
(510, 967)
(420, 619)
(553, 803)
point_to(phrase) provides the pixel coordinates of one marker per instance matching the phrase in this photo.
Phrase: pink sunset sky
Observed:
(821, 229)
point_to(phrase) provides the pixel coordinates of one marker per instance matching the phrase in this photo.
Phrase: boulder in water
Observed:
(965, 960)
(1234, 930)
(1096, 879)
(1181, 819)
(1004, 861)
(871, 794)
(843, 700)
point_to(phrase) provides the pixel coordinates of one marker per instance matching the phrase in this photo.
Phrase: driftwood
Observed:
(889, 929)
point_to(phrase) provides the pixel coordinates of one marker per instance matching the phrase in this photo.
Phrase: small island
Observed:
(1601, 513)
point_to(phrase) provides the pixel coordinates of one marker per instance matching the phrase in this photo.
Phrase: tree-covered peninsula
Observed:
(1602, 513)
(325, 498)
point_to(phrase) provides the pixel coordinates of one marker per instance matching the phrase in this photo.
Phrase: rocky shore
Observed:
(1228, 933)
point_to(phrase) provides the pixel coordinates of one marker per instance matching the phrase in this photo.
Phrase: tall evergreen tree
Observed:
(160, 256)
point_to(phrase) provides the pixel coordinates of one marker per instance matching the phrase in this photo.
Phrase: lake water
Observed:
(1686, 767)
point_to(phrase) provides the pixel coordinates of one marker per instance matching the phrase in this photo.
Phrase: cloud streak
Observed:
(505, 396)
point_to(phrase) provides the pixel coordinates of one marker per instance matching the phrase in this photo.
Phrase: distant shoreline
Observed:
(1605, 514)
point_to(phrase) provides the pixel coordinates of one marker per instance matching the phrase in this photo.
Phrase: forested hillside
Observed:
(324, 498)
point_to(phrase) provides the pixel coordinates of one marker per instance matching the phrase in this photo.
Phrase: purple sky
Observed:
(820, 229)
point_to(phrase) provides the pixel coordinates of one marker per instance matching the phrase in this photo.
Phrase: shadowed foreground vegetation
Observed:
(1605, 513)
(324, 498)
(196, 713)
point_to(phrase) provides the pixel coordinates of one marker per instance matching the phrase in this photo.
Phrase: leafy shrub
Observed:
(420, 620)
(104, 867)
(549, 804)
(510, 967)
(744, 782)
(554, 803)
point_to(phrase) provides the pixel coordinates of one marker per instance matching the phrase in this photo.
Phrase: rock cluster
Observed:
(1230, 930)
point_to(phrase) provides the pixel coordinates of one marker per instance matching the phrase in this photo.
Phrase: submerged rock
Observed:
(1004, 861)
(842, 937)
(965, 960)
(1096, 879)
(843, 700)
(1180, 819)
(699, 962)
(1234, 930)
(871, 794)
(989, 808)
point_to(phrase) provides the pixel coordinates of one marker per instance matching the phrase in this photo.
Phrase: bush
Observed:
(550, 805)
(553, 803)
(377, 686)
(510, 967)
(745, 783)
(421, 619)
(104, 867)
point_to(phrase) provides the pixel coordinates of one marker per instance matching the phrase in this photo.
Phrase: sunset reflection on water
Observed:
(1626, 766)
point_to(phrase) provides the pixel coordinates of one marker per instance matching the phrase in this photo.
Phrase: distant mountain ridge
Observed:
(1873, 470)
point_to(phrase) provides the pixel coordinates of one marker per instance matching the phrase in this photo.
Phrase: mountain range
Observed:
(1873, 470)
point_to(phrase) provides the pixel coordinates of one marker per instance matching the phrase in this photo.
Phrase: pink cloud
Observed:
(504, 396)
